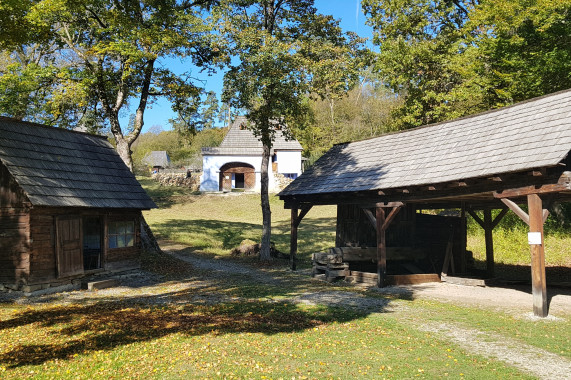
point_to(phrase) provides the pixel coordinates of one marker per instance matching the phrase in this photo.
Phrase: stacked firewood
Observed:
(329, 265)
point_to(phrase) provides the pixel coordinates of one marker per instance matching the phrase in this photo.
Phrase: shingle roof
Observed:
(58, 167)
(532, 134)
(241, 141)
(157, 158)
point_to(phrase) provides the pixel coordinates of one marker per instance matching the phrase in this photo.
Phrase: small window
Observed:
(121, 234)
(290, 175)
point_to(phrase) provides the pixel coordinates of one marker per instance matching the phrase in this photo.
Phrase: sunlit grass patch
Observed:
(214, 224)
(242, 340)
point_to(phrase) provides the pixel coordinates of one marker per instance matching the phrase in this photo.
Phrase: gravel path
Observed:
(526, 358)
(140, 286)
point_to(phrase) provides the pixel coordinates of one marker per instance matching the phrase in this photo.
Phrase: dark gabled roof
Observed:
(58, 167)
(157, 158)
(528, 135)
(243, 142)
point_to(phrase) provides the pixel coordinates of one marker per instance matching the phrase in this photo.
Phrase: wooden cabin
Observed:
(157, 160)
(69, 206)
(497, 160)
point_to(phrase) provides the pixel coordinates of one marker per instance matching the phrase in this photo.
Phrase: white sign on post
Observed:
(534, 238)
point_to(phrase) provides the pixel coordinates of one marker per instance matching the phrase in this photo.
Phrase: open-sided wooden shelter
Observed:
(68, 206)
(494, 160)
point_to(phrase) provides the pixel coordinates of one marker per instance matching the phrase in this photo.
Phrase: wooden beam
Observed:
(488, 229)
(488, 224)
(545, 214)
(538, 280)
(370, 217)
(293, 239)
(381, 248)
(391, 217)
(526, 190)
(304, 210)
(499, 217)
(464, 233)
(389, 204)
(516, 209)
(476, 217)
(295, 221)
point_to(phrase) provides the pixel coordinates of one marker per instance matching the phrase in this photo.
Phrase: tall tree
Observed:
(210, 110)
(114, 55)
(451, 58)
(284, 50)
(418, 40)
(521, 49)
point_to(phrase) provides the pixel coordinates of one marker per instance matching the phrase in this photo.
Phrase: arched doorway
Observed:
(237, 175)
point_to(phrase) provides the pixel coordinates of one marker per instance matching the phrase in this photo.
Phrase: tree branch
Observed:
(138, 124)
(96, 17)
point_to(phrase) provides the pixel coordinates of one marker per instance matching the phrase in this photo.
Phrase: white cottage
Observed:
(237, 162)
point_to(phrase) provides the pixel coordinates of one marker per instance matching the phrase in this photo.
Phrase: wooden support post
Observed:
(381, 248)
(293, 239)
(538, 280)
(295, 221)
(463, 232)
(488, 224)
(488, 228)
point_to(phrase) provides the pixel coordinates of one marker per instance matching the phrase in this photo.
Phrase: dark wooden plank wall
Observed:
(14, 231)
(14, 245)
(355, 230)
(409, 229)
(43, 261)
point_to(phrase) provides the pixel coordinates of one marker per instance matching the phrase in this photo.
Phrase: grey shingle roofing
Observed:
(532, 134)
(242, 142)
(57, 167)
(157, 158)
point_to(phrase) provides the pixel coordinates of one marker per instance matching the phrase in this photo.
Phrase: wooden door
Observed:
(69, 241)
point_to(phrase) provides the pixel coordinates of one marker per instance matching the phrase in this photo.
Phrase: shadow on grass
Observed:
(110, 323)
(206, 304)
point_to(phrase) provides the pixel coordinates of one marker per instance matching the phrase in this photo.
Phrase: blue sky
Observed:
(347, 11)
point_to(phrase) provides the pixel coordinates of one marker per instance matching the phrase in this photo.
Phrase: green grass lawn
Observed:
(259, 336)
(252, 332)
(215, 224)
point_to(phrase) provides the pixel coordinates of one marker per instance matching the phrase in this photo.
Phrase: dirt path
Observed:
(526, 358)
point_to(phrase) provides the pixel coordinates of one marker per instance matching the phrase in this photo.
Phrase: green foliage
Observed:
(453, 58)
(364, 112)
(418, 39)
(522, 47)
(210, 111)
(108, 58)
(283, 51)
(183, 152)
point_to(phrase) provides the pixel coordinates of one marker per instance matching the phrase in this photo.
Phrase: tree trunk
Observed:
(148, 239)
(124, 150)
(266, 212)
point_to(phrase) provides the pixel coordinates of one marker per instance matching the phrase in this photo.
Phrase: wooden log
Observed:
(411, 279)
(370, 253)
(464, 281)
(103, 284)
(326, 258)
(404, 279)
